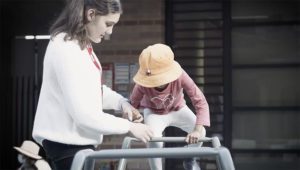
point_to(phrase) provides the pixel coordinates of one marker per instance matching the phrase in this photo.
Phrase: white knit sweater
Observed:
(70, 107)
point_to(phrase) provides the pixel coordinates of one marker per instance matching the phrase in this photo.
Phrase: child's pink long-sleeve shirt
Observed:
(172, 98)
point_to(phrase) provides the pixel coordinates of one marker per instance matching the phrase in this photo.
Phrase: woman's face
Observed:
(99, 25)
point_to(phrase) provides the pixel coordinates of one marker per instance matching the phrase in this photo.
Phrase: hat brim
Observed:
(29, 154)
(160, 79)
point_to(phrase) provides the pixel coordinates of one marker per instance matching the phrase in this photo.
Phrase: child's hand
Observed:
(136, 116)
(131, 113)
(194, 136)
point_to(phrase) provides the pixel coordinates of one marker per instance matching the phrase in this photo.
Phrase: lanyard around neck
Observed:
(92, 56)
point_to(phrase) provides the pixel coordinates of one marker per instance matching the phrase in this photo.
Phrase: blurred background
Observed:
(243, 54)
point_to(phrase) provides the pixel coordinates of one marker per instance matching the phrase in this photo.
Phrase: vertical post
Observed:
(227, 74)
(36, 76)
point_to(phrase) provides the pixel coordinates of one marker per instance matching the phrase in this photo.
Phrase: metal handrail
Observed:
(86, 158)
(128, 140)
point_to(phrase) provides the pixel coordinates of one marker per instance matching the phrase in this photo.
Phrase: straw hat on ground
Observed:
(29, 149)
(157, 66)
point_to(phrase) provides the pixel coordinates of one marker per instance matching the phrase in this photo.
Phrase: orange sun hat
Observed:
(157, 66)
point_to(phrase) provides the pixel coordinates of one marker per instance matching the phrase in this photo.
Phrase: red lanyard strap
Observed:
(90, 50)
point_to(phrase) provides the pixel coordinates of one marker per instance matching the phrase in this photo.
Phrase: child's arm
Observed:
(135, 99)
(136, 96)
(198, 99)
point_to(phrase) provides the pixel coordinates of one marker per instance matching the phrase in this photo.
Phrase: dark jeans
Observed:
(61, 155)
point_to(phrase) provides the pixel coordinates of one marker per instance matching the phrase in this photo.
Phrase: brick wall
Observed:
(140, 25)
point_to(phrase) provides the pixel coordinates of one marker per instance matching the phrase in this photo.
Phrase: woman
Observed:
(70, 115)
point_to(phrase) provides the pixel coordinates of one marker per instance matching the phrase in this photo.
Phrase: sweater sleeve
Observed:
(136, 96)
(79, 81)
(198, 99)
(111, 99)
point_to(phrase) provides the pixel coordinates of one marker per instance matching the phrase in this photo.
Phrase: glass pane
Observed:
(181, 7)
(270, 10)
(266, 87)
(266, 45)
(200, 15)
(266, 162)
(266, 130)
(198, 34)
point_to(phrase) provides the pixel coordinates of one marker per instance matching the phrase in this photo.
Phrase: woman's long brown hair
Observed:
(72, 20)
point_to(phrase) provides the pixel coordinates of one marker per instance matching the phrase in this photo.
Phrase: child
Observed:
(29, 158)
(160, 82)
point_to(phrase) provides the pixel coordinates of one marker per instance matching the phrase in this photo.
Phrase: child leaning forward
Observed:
(160, 82)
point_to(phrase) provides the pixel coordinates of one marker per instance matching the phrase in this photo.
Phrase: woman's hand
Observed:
(136, 116)
(131, 113)
(141, 132)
